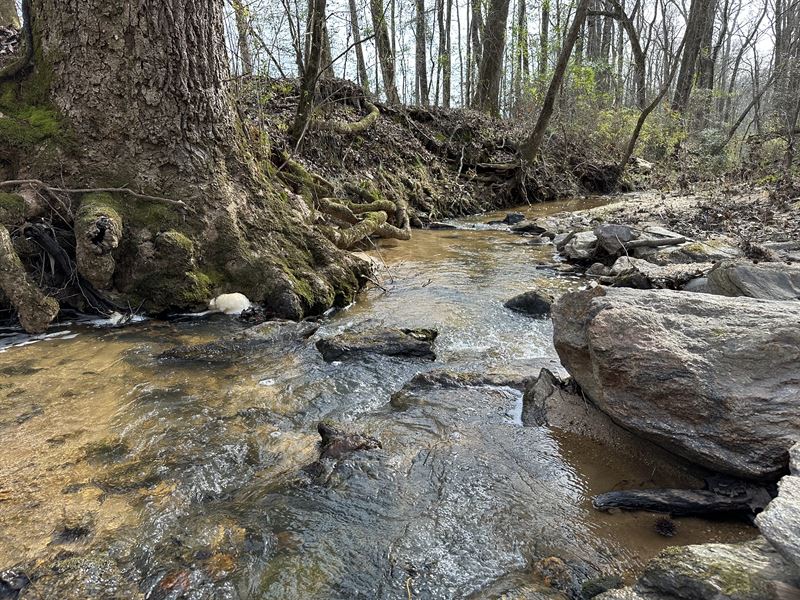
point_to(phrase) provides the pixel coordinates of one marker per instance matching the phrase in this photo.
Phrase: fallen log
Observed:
(650, 243)
(684, 502)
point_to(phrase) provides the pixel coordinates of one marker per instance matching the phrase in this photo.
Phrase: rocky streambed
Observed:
(410, 446)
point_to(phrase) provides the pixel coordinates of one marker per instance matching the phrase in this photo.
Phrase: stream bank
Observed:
(130, 475)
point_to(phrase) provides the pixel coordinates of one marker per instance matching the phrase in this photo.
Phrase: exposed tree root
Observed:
(345, 128)
(36, 310)
(98, 231)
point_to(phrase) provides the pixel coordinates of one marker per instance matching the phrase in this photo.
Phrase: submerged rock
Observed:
(241, 345)
(338, 441)
(771, 281)
(710, 378)
(535, 303)
(684, 502)
(410, 343)
(510, 219)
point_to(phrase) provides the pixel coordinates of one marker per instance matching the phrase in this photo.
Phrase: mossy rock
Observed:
(12, 209)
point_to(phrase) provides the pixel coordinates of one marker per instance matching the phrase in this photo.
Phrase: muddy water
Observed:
(123, 475)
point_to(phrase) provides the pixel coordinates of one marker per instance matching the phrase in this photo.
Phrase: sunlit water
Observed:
(124, 474)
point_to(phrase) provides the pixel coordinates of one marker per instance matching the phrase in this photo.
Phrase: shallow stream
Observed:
(124, 475)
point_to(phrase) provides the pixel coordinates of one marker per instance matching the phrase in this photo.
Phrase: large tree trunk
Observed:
(487, 95)
(142, 102)
(695, 33)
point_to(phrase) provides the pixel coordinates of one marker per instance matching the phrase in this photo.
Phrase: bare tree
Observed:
(361, 64)
(487, 95)
(530, 147)
(383, 44)
(421, 62)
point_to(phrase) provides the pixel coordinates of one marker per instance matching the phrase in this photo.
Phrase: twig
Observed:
(50, 188)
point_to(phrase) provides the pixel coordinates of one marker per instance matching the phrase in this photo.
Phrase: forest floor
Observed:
(445, 163)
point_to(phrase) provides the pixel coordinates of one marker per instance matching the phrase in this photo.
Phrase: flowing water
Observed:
(124, 475)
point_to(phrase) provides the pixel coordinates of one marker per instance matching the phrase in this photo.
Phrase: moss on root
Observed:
(12, 209)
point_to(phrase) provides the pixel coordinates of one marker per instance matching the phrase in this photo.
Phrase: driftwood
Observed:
(650, 243)
(36, 310)
(684, 502)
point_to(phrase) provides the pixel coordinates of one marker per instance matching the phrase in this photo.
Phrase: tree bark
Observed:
(385, 54)
(544, 40)
(143, 87)
(421, 62)
(695, 31)
(360, 62)
(530, 148)
(8, 14)
(487, 97)
(243, 37)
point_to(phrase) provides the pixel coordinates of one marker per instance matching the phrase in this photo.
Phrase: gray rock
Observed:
(711, 378)
(771, 281)
(582, 247)
(712, 250)
(641, 274)
(748, 571)
(598, 270)
(510, 219)
(780, 521)
(612, 237)
(534, 303)
(409, 343)
(561, 239)
(536, 398)
(697, 286)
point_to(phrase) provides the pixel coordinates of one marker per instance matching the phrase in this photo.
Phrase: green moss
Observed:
(29, 126)
(199, 288)
(176, 238)
(12, 209)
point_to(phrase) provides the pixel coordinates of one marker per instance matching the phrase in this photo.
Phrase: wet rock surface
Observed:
(713, 379)
(408, 343)
(243, 344)
(748, 571)
(535, 303)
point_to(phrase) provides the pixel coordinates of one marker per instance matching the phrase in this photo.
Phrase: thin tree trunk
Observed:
(315, 53)
(384, 48)
(530, 148)
(421, 55)
(360, 62)
(544, 40)
(243, 37)
(445, 53)
(476, 43)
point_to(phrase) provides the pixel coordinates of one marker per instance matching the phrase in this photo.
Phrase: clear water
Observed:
(122, 474)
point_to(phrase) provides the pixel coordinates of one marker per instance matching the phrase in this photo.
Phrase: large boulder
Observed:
(711, 378)
(581, 247)
(771, 281)
(780, 522)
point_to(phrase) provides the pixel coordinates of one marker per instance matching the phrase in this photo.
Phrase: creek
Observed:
(121, 471)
